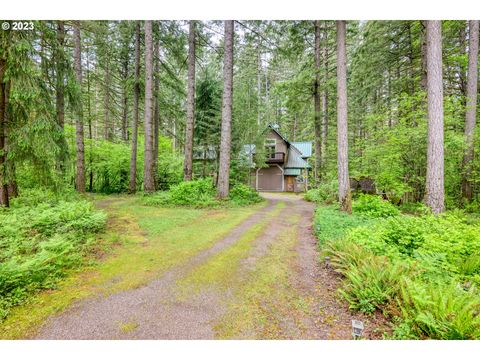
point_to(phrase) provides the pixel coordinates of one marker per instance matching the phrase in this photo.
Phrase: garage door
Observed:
(270, 179)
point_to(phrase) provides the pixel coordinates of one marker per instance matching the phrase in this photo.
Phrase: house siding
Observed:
(280, 145)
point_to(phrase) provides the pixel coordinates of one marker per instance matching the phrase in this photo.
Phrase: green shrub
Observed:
(241, 194)
(374, 206)
(440, 311)
(370, 281)
(201, 193)
(41, 237)
(405, 233)
(423, 271)
(326, 192)
(331, 224)
(417, 208)
(198, 192)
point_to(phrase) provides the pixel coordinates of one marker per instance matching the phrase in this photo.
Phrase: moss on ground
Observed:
(266, 301)
(140, 243)
(127, 327)
(220, 271)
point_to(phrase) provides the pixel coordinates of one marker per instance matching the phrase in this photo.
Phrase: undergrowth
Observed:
(42, 236)
(201, 193)
(421, 271)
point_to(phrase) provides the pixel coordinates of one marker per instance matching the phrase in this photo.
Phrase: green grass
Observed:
(135, 249)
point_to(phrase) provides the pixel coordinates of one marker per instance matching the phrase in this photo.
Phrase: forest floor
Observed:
(179, 273)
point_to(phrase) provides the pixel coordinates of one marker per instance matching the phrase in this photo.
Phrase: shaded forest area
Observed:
(94, 83)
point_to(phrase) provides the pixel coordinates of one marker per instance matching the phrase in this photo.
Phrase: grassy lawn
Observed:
(140, 243)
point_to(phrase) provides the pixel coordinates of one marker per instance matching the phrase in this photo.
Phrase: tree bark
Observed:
(471, 108)
(259, 86)
(125, 100)
(136, 95)
(89, 124)
(156, 110)
(316, 96)
(434, 191)
(226, 132)
(77, 56)
(188, 165)
(4, 198)
(108, 123)
(344, 194)
(60, 62)
(325, 97)
(149, 171)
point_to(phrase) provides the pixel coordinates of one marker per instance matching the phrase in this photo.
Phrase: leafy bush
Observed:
(423, 271)
(374, 206)
(440, 311)
(331, 224)
(406, 234)
(241, 194)
(370, 281)
(41, 237)
(188, 193)
(201, 193)
(326, 192)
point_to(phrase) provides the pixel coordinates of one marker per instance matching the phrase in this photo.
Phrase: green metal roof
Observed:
(295, 160)
(294, 172)
(305, 147)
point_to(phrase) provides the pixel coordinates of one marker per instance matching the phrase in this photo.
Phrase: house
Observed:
(287, 167)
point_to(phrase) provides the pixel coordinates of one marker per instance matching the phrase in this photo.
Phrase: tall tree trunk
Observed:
(149, 171)
(89, 124)
(156, 110)
(316, 97)
(108, 123)
(4, 198)
(60, 62)
(188, 166)
(226, 132)
(77, 56)
(344, 194)
(325, 96)
(259, 85)
(434, 190)
(125, 101)
(136, 95)
(471, 108)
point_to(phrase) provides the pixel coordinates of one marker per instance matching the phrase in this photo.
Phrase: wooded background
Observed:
(118, 106)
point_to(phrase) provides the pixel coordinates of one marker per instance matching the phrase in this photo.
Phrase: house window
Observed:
(270, 148)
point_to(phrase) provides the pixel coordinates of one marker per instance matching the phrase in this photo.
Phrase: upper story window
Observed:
(270, 147)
